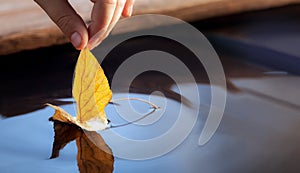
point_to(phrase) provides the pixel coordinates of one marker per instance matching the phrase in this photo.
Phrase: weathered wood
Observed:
(25, 26)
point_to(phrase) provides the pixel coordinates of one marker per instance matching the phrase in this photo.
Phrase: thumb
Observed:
(66, 18)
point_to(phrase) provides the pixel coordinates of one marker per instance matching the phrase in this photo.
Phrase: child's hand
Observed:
(104, 16)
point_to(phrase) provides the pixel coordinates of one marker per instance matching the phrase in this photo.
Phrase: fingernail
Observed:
(76, 39)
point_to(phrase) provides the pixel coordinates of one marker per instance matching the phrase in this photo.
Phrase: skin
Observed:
(105, 14)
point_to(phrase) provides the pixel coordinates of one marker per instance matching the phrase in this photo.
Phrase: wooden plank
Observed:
(25, 26)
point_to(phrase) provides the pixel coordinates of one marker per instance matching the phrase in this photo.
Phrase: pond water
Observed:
(259, 131)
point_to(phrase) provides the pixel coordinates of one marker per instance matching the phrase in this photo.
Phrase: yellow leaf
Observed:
(92, 93)
(61, 115)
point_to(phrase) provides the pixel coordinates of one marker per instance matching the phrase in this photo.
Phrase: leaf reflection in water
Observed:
(93, 156)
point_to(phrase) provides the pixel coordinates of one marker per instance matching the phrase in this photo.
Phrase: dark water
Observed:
(259, 131)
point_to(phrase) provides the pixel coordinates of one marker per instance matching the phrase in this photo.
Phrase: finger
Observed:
(116, 16)
(65, 17)
(128, 8)
(102, 14)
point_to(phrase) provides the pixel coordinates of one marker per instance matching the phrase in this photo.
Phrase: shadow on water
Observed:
(45, 75)
(93, 156)
(32, 78)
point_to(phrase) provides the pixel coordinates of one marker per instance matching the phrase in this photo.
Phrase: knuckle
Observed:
(63, 22)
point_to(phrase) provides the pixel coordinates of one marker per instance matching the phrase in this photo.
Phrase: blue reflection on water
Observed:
(26, 143)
